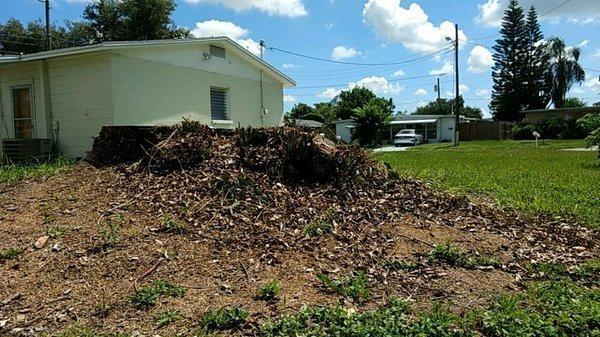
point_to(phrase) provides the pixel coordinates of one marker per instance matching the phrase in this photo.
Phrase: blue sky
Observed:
(372, 32)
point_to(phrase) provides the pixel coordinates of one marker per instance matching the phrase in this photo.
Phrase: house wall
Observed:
(29, 73)
(81, 100)
(445, 129)
(160, 85)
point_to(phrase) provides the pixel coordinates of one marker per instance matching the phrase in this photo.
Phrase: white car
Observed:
(407, 137)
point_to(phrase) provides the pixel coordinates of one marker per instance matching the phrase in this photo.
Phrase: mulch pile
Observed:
(223, 214)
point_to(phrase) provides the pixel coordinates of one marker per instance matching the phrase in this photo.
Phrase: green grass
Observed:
(147, 296)
(355, 286)
(167, 317)
(269, 291)
(517, 174)
(224, 318)
(550, 308)
(454, 256)
(9, 253)
(16, 173)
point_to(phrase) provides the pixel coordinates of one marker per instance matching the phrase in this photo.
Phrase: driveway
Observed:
(390, 149)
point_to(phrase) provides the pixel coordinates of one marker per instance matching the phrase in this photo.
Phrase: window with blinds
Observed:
(217, 51)
(218, 103)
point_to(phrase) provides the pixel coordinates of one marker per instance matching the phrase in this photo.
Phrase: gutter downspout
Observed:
(48, 106)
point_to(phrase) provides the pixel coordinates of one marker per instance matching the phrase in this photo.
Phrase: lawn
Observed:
(15, 173)
(543, 179)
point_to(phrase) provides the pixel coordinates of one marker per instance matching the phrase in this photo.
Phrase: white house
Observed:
(67, 95)
(434, 128)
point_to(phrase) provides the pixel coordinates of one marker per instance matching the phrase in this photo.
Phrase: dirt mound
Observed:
(218, 216)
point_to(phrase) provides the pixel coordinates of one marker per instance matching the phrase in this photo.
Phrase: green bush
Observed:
(523, 131)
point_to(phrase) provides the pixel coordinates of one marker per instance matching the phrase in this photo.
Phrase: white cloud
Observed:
(409, 26)
(214, 28)
(480, 60)
(448, 67)
(463, 89)
(329, 93)
(597, 54)
(579, 12)
(421, 104)
(290, 8)
(583, 43)
(379, 85)
(342, 52)
(399, 73)
(450, 94)
(482, 92)
(289, 99)
(577, 90)
(420, 92)
(329, 25)
(593, 84)
(290, 66)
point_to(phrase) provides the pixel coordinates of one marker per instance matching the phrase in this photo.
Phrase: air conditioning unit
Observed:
(15, 151)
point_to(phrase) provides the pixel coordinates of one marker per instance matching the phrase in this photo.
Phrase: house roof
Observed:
(106, 46)
(587, 109)
(309, 123)
(414, 121)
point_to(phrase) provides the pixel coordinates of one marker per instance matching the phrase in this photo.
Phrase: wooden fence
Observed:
(486, 130)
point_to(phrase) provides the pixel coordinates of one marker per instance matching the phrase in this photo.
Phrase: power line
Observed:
(555, 8)
(386, 81)
(405, 87)
(354, 63)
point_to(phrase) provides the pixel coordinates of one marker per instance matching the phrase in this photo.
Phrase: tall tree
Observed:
(510, 65)
(565, 69)
(15, 38)
(537, 91)
(444, 106)
(114, 20)
(348, 101)
(300, 110)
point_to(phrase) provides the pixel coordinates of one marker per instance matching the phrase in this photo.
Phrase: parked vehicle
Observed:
(407, 137)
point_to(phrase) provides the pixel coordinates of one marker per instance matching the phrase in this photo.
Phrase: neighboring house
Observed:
(434, 128)
(534, 116)
(67, 95)
(307, 123)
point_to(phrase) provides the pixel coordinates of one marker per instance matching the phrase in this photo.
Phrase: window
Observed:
(22, 112)
(218, 103)
(216, 51)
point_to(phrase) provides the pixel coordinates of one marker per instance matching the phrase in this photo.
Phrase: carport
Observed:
(426, 127)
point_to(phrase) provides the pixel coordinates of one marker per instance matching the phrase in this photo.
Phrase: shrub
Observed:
(147, 296)
(355, 286)
(523, 131)
(224, 318)
(270, 291)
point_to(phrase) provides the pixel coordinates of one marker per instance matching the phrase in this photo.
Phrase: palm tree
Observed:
(368, 121)
(564, 69)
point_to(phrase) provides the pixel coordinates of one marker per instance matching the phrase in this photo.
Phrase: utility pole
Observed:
(262, 90)
(438, 88)
(457, 103)
(47, 45)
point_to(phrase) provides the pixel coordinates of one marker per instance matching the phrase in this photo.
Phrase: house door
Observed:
(22, 111)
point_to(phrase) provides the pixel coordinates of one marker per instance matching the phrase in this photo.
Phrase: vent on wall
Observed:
(218, 103)
(216, 51)
(26, 150)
